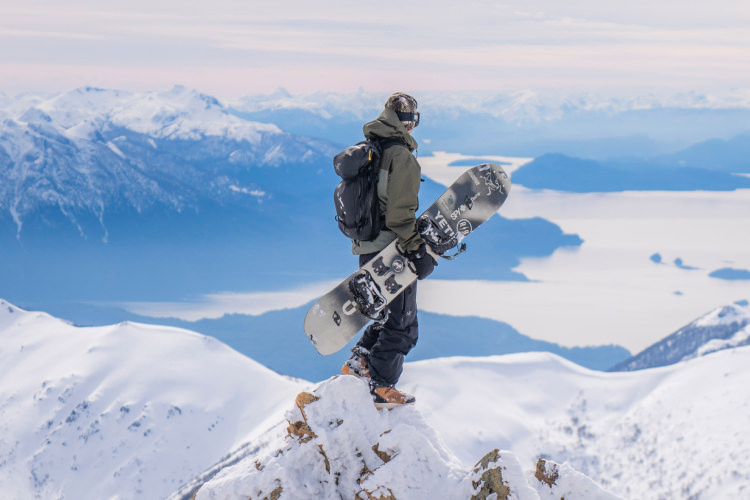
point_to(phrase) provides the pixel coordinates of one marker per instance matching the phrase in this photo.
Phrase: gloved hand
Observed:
(423, 261)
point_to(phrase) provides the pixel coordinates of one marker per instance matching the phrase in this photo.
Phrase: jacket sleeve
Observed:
(403, 199)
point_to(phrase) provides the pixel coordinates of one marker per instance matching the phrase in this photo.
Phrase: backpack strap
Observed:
(387, 143)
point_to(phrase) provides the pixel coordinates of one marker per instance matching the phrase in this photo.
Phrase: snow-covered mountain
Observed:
(339, 446)
(678, 431)
(94, 152)
(665, 433)
(136, 411)
(126, 411)
(721, 328)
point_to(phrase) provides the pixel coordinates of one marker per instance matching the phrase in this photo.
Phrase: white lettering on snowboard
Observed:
(443, 224)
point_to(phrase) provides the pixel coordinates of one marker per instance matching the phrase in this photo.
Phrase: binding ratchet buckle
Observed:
(368, 296)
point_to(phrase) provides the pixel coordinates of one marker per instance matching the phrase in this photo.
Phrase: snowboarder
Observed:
(379, 355)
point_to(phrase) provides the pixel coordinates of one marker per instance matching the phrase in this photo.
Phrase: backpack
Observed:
(356, 197)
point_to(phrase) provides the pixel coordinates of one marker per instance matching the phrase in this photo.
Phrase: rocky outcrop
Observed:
(339, 446)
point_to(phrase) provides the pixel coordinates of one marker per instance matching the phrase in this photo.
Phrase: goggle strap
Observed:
(408, 117)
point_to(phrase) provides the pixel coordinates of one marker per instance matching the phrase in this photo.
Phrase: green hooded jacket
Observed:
(398, 186)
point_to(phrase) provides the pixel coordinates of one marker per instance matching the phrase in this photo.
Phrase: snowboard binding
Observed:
(439, 241)
(369, 298)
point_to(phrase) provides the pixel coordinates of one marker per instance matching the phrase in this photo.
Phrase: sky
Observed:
(232, 48)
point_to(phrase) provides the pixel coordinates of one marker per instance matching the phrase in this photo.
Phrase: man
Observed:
(379, 354)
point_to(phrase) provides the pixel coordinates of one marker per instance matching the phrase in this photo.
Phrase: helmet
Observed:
(405, 107)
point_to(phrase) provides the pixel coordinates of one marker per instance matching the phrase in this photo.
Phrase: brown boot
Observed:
(357, 364)
(387, 397)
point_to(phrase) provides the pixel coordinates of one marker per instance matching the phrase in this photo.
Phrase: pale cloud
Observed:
(49, 34)
(339, 45)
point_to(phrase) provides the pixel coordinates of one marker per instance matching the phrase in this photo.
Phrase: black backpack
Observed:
(356, 196)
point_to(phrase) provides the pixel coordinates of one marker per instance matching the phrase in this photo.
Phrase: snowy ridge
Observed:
(125, 411)
(721, 328)
(179, 113)
(339, 446)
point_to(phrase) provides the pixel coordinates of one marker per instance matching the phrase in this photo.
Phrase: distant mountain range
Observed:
(522, 123)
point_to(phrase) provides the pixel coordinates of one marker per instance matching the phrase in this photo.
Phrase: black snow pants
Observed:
(389, 342)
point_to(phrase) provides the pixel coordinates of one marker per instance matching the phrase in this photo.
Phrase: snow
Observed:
(111, 145)
(136, 411)
(742, 337)
(721, 328)
(671, 432)
(340, 446)
(252, 192)
(725, 316)
(123, 411)
(180, 113)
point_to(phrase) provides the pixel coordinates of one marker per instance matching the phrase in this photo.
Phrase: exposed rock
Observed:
(490, 478)
(546, 472)
(340, 446)
(554, 481)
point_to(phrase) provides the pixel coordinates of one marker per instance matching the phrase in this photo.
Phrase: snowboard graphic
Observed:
(362, 297)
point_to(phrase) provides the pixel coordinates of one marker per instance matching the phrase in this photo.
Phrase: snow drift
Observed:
(339, 446)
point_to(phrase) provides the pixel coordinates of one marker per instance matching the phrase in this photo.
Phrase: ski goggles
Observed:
(408, 117)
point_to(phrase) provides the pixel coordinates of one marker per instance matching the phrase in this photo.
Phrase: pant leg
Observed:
(372, 332)
(390, 342)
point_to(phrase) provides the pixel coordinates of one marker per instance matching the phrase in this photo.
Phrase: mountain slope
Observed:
(722, 328)
(677, 431)
(339, 446)
(125, 411)
(136, 411)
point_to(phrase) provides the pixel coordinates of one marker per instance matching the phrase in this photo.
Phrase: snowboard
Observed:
(364, 296)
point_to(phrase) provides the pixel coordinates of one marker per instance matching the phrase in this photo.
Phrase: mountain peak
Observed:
(339, 446)
(721, 328)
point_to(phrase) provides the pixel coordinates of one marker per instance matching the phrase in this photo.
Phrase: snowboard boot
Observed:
(388, 397)
(357, 364)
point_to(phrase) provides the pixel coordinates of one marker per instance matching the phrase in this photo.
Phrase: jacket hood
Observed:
(388, 126)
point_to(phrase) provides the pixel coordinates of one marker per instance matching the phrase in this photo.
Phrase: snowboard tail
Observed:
(364, 296)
